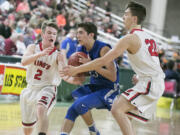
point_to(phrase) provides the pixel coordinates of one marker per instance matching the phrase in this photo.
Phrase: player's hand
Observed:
(134, 79)
(83, 59)
(60, 57)
(47, 51)
(68, 71)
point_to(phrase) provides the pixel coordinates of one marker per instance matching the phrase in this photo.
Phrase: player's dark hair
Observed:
(137, 10)
(89, 28)
(49, 23)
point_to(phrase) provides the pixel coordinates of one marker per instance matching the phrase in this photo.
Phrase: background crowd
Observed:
(20, 25)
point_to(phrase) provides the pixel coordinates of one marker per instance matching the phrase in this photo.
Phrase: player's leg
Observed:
(27, 112)
(88, 119)
(119, 109)
(71, 115)
(82, 106)
(27, 131)
(45, 103)
(42, 119)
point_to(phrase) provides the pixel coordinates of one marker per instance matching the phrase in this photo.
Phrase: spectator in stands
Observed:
(108, 7)
(20, 26)
(60, 19)
(33, 4)
(10, 47)
(69, 44)
(5, 29)
(23, 7)
(28, 36)
(171, 72)
(162, 58)
(107, 24)
(6, 6)
(115, 31)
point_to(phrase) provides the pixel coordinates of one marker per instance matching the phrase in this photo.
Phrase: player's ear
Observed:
(92, 35)
(135, 19)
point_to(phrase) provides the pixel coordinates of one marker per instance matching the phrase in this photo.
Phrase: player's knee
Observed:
(71, 113)
(81, 108)
(77, 108)
(116, 109)
(113, 110)
(41, 110)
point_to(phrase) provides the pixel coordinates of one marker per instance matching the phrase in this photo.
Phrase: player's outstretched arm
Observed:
(122, 45)
(72, 80)
(29, 56)
(108, 71)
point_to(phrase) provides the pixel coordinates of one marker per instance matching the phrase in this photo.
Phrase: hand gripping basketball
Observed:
(74, 60)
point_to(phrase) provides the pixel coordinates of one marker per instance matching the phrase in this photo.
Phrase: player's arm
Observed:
(109, 71)
(64, 49)
(123, 44)
(72, 80)
(29, 56)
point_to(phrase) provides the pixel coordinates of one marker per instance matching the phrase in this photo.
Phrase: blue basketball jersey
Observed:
(94, 53)
(69, 45)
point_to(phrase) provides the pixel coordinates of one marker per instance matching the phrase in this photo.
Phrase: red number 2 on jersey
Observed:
(38, 74)
(152, 47)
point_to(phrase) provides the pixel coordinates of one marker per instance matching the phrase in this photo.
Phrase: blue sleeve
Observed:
(64, 44)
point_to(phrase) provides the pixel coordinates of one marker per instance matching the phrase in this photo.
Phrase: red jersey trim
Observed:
(133, 30)
(40, 46)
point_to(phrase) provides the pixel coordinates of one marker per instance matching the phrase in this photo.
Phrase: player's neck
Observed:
(135, 27)
(90, 45)
(45, 45)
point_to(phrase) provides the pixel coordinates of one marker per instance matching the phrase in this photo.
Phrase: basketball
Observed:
(74, 60)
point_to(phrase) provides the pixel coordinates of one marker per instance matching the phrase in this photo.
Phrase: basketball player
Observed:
(140, 100)
(43, 62)
(104, 82)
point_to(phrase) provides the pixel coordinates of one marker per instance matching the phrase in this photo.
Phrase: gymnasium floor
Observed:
(10, 122)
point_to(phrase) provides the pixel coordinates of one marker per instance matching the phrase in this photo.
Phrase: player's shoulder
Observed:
(102, 44)
(31, 46)
(130, 37)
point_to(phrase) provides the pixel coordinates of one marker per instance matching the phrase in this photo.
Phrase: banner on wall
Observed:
(14, 80)
(2, 67)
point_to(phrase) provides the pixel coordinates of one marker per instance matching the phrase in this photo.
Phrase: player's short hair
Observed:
(137, 10)
(49, 23)
(89, 28)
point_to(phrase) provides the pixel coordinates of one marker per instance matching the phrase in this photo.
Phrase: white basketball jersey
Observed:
(44, 71)
(146, 61)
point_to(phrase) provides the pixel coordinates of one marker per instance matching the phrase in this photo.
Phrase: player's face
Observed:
(82, 36)
(128, 19)
(49, 36)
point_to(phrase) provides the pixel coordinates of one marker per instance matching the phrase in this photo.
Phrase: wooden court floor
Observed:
(10, 122)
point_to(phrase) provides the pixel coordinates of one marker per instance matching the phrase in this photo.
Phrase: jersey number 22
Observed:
(152, 47)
